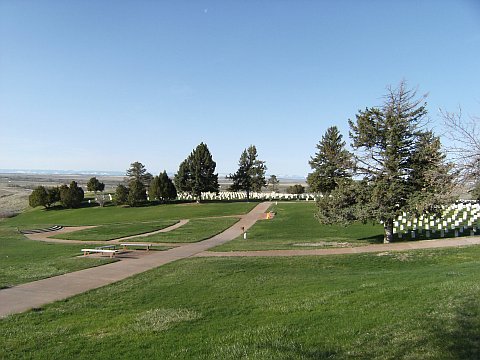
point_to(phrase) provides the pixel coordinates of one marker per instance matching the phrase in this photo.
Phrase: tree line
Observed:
(195, 175)
(396, 165)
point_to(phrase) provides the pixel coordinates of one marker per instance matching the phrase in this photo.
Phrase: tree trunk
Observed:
(248, 195)
(388, 231)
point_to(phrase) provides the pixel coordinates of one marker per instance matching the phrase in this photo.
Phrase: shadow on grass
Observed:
(375, 239)
(459, 338)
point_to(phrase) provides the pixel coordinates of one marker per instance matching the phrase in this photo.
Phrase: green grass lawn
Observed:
(193, 231)
(294, 224)
(23, 260)
(115, 231)
(406, 305)
(114, 214)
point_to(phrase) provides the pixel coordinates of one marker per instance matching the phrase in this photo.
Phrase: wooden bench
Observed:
(102, 251)
(125, 245)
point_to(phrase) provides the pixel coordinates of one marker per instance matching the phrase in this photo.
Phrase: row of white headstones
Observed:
(241, 195)
(457, 218)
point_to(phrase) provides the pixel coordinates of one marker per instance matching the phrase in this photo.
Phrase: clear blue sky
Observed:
(100, 84)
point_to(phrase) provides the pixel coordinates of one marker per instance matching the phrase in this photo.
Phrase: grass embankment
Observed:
(23, 260)
(115, 214)
(115, 231)
(193, 231)
(294, 227)
(410, 305)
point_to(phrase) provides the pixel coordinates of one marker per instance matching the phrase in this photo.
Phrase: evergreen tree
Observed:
(121, 195)
(95, 185)
(196, 174)
(154, 189)
(138, 172)
(250, 175)
(401, 166)
(162, 188)
(273, 183)
(38, 197)
(136, 193)
(331, 163)
(296, 189)
(53, 195)
(71, 196)
(431, 178)
(168, 191)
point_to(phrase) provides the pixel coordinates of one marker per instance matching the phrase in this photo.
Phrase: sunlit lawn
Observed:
(115, 214)
(193, 231)
(23, 260)
(408, 305)
(295, 227)
(115, 231)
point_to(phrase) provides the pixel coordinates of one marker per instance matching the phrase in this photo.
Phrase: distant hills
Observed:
(62, 172)
(112, 173)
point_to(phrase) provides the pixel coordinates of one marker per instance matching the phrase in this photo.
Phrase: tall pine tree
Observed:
(250, 175)
(400, 163)
(138, 172)
(196, 174)
(331, 163)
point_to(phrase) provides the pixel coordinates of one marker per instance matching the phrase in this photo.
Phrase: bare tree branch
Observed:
(464, 135)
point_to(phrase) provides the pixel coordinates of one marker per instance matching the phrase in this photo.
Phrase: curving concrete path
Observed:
(35, 294)
(402, 246)
(45, 237)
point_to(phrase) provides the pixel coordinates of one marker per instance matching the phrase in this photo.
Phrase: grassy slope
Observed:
(294, 223)
(115, 231)
(113, 214)
(195, 230)
(23, 260)
(411, 305)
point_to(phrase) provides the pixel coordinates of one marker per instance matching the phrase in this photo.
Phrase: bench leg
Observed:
(85, 253)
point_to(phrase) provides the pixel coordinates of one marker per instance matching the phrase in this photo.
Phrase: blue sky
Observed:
(100, 84)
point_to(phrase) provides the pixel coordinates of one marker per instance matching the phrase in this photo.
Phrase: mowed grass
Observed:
(115, 214)
(23, 260)
(115, 231)
(193, 231)
(295, 227)
(399, 305)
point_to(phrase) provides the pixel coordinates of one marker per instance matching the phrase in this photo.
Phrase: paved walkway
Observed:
(35, 294)
(423, 244)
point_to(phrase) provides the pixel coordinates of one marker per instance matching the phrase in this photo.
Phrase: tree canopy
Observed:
(196, 174)
(162, 188)
(331, 162)
(401, 164)
(250, 175)
(71, 196)
(136, 193)
(42, 196)
(273, 183)
(95, 185)
(138, 172)
(121, 195)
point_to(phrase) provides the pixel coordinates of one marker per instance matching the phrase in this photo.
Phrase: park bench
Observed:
(125, 245)
(111, 252)
(111, 247)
